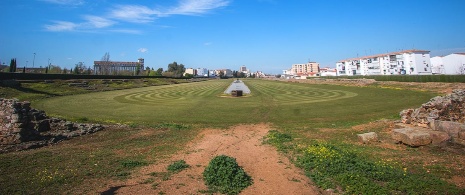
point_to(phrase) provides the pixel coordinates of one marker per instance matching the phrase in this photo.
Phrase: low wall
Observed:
(23, 127)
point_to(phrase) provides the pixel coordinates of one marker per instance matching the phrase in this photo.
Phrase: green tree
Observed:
(13, 65)
(54, 69)
(137, 69)
(159, 71)
(177, 70)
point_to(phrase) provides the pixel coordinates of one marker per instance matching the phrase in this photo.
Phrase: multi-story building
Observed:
(113, 67)
(226, 72)
(190, 71)
(308, 69)
(411, 62)
(450, 64)
(202, 72)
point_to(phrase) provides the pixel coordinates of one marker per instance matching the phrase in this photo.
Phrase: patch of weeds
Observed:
(173, 126)
(82, 120)
(147, 181)
(295, 180)
(282, 141)
(132, 163)
(123, 175)
(133, 125)
(155, 185)
(163, 175)
(224, 175)
(177, 166)
(330, 166)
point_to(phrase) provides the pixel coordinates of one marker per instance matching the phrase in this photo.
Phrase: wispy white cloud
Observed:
(97, 22)
(126, 31)
(134, 13)
(131, 13)
(143, 50)
(66, 2)
(207, 43)
(61, 26)
(197, 7)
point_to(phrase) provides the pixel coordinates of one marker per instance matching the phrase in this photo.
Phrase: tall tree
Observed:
(79, 68)
(176, 69)
(13, 65)
(137, 69)
(159, 71)
(105, 67)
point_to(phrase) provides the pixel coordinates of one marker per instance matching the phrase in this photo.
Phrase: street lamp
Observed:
(33, 60)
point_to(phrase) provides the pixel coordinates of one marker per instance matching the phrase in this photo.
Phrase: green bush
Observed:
(223, 174)
(178, 166)
(132, 163)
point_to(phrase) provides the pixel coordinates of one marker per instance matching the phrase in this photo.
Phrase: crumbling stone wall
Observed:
(440, 120)
(450, 107)
(23, 127)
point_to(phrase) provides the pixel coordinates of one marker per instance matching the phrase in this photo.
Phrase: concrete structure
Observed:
(113, 67)
(202, 72)
(328, 72)
(410, 62)
(237, 85)
(226, 72)
(308, 69)
(450, 64)
(190, 71)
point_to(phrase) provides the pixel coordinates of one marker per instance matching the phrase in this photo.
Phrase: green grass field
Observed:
(162, 119)
(203, 103)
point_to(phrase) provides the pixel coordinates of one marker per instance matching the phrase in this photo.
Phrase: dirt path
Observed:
(271, 172)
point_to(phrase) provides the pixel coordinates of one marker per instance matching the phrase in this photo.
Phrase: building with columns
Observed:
(114, 67)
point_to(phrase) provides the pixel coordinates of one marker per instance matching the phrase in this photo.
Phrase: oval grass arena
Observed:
(280, 93)
(280, 103)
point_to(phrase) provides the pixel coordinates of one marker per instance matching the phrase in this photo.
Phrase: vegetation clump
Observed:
(178, 166)
(330, 166)
(224, 175)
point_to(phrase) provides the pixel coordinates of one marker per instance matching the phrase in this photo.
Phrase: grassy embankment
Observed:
(163, 118)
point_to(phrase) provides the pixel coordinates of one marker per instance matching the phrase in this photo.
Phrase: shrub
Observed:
(223, 174)
(132, 163)
(178, 166)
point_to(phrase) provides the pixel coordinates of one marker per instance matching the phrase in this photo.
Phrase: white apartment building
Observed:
(328, 72)
(450, 64)
(410, 62)
(202, 72)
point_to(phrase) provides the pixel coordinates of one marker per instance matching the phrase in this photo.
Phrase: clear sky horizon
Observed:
(263, 35)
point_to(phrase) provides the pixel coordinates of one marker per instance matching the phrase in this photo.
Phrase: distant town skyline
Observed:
(263, 35)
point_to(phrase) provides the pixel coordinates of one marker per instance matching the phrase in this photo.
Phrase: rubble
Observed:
(23, 127)
(442, 118)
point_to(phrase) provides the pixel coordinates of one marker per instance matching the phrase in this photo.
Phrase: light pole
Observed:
(33, 60)
(26, 62)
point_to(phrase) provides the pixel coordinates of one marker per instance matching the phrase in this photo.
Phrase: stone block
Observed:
(368, 137)
(412, 137)
(439, 137)
(452, 128)
(462, 134)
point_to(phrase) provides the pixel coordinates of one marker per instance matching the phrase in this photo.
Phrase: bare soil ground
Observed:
(272, 173)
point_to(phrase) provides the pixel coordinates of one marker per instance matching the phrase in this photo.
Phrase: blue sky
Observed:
(264, 35)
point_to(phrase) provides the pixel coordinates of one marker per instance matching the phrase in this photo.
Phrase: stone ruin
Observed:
(23, 127)
(439, 121)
